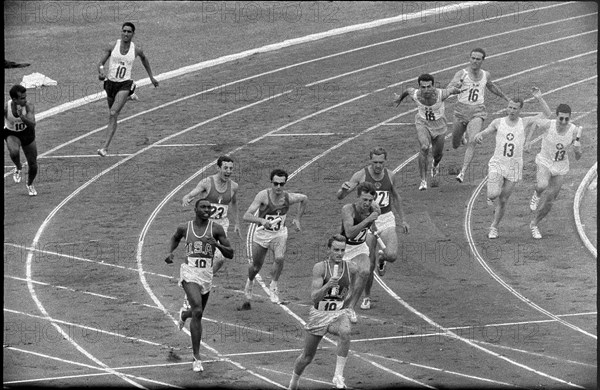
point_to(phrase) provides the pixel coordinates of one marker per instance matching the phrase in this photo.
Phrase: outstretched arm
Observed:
(146, 64)
(398, 98)
(495, 89)
(174, 242)
(350, 185)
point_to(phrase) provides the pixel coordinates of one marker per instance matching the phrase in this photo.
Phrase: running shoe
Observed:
(489, 202)
(423, 185)
(380, 264)
(31, 190)
(274, 294)
(535, 231)
(197, 365)
(17, 175)
(338, 382)
(435, 170)
(180, 320)
(134, 97)
(366, 303)
(493, 233)
(102, 152)
(352, 315)
(248, 289)
(533, 204)
(461, 177)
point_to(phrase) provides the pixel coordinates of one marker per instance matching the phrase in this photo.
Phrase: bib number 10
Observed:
(330, 305)
(120, 73)
(200, 263)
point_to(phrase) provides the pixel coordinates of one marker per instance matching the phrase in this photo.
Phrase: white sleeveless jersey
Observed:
(473, 91)
(554, 145)
(509, 141)
(430, 113)
(11, 122)
(119, 66)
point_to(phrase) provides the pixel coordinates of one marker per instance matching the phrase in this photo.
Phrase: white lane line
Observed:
(443, 370)
(97, 332)
(481, 260)
(58, 109)
(181, 145)
(81, 365)
(304, 134)
(122, 162)
(342, 30)
(31, 249)
(175, 190)
(233, 325)
(453, 335)
(589, 177)
(86, 155)
(534, 353)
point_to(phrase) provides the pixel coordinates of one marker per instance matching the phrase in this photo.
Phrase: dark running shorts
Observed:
(112, 87)
(26, 136)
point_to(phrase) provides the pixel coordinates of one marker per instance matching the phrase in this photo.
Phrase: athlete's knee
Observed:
(113, 113)
(391, 256)
(14, 153)
(306, 358)
(197, 313)
(424, 150)
(344, 332)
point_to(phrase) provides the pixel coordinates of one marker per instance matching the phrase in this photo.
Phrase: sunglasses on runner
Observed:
(128, 31)
(563, 119)
(278, 183)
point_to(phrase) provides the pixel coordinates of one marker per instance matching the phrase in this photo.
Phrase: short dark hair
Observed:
(17, 88)
(336, 237)
(561, 108)
(200, 200)
(517, 99)
(378, 150)
(223, 159)
(130, 25)
(278, 172)
(367, 188)
(478, 50)
(425, 77)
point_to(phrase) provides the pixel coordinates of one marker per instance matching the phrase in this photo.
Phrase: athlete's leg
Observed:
(542, 179)
(197, 302)
(437, 149)
(31, 153)
(473, 128)
(507, 189)
(311, 342)
(458, 130)
(279, 247)
(424, 143)
(258, 258)
(114, 111)
(14, 150)
(554, 186)
(390, 239)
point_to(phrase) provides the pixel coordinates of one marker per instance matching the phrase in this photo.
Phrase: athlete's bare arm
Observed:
(302, 201)
(351, 184)
(318, 289)
(494, 88)
(106, 50)
(221, 241)
(259, 200)
(397, 203)
(350, 229)
(140, 53)
(492, 128)
(202, 189)
(29, 117)
(235, 209)
(174, 242)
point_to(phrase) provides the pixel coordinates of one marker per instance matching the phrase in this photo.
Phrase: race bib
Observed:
(276, 227)
(218, 211)
(197, 262)
(330, 305)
